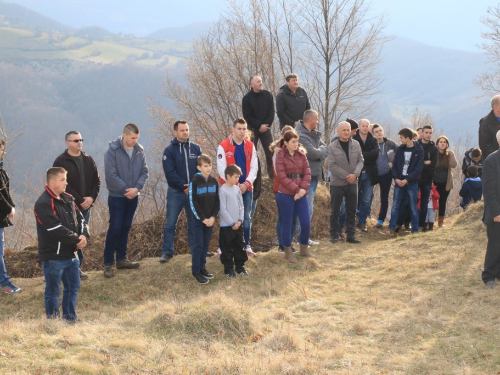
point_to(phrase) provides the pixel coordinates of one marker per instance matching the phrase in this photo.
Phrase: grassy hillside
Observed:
(410, 305)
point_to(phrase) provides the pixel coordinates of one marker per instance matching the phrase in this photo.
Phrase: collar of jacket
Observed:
(284, 151)
(118, 143)
(245, 140)
(315, 131)
(68, 156)
(64, 194)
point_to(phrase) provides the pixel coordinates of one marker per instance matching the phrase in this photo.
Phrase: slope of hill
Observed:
(410, 305)
(15, 15)
(185, 33)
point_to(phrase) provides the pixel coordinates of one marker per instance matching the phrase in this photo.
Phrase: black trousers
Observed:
(232, 247)
(492, 258)
(266, 139)
(443, 197)
(350, 192)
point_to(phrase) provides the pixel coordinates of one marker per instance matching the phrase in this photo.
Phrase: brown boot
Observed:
(441, 221)
(289, 255)
(304, 251)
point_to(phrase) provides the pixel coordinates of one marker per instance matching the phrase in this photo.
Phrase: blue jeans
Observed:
(121, 214)
(67, 271)
(279, 223)
(310, 200)
(4, 278)
(425, 193)
(247, 219)
(176, 201)
(200, 244)
(365, 192)
(412, 192)
(287, 205)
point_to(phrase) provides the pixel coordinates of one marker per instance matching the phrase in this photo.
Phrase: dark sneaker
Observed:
(380, 224)
(294, 250)
(200, 278)
(83, 275)
(353, 240)
(397, 228)
(126, 264)
(281, 249)
(362, 227)
(207, 274)
(242, 271)
(209, 254)
(10, 288)
(108, 272)
(165, 258)
(334, 239)
(229, 272)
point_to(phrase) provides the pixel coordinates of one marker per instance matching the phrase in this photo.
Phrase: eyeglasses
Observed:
(75, 140)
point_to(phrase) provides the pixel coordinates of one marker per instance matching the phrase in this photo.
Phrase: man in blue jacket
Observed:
(126, 173)
(179, 165)
(406, 169)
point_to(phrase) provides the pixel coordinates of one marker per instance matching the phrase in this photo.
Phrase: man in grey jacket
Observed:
(126, 173)
(312, 140)
(345, 163)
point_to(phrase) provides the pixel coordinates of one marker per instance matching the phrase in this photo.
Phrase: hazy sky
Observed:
(444, 23)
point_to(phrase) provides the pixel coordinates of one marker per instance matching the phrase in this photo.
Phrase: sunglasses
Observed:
(75, 140)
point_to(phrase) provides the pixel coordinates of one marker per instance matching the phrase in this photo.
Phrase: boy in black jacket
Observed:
(204, 202)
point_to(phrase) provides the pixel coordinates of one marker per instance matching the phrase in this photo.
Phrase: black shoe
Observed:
(165, 258)
(200, 278)
(209, 254)
(362, 228)
(281, 249)
(207, 274)
(294, 250)
(334, 239)
(126, 264)
(353, 240)
(397, 228)
(242, 271)
(229, 272)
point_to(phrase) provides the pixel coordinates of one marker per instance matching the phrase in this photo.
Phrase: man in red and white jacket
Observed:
(237, 149)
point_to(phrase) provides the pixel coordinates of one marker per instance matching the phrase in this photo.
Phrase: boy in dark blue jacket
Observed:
(204, 202)
(406, 168)
(472, 189)
(179, 165)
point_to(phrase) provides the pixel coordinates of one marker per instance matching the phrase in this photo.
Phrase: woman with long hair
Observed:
(442, 174)
(294, 174)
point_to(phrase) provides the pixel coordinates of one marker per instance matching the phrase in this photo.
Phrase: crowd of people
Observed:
(358, 157)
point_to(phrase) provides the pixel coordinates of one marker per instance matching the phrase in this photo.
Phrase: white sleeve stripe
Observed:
(60, 225)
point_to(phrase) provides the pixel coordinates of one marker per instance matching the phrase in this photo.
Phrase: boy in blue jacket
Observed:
(472, 189)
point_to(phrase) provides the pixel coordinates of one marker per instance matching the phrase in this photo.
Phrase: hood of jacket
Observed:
(118, 143)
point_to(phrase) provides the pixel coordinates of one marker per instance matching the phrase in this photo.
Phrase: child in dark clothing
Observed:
(204, 202)
(232, 242)
(472, 189)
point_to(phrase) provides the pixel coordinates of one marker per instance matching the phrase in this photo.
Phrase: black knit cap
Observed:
(354, 124)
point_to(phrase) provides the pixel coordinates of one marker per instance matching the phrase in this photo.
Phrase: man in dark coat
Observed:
(491, 217)
(488, 128)
(291, 102)
(258, 112)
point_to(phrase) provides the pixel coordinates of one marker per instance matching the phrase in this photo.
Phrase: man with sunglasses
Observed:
(83, 178)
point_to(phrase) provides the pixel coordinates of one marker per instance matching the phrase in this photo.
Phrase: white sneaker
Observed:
(314, 243)
(218, 253)
(249, 251)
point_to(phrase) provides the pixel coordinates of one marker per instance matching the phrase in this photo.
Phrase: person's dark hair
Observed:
(446, 159)
(286, 128)
(53, 172)
(427, 127)
(419, 128)
(375, 126)
(131, 128)
(203, 158)
(290, 134)
(309, 113)
(475, 153)
(407, 133)
(176, 124)
(354, 124)
(472, 171)
(232, 170)
(289, 76)
(239, 120)
(66, 137)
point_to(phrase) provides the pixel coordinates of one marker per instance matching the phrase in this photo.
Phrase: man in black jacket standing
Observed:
(291, 102)
(488, 128)
(258, 111)
(83, 178)
(427, 175)
(61, 230)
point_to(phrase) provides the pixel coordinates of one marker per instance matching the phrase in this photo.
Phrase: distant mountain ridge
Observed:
(15, 15)
(185, 33)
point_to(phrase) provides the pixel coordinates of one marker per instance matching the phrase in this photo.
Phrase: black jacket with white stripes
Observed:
(59, 224)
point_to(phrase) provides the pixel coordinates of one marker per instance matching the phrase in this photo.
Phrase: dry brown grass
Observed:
(414, 304)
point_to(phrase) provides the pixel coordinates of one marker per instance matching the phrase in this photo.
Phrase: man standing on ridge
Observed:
(180, 166)
(427, 175)
(83, 178)
(291, 102)
(258, 111)
(126, 173)
(488, 128)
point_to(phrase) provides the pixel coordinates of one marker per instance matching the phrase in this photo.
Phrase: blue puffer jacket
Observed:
(179, 163)
(122, 172)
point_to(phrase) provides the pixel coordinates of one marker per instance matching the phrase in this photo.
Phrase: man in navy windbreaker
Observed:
(179, 165)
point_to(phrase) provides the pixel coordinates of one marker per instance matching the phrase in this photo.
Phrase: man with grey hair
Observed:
(291, 102)
(258, 111)
(345, 163)
(488, 127)
(491, 217)
(312, 140)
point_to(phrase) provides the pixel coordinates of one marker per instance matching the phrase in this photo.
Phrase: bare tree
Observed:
(418, 119)
(489, 82)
